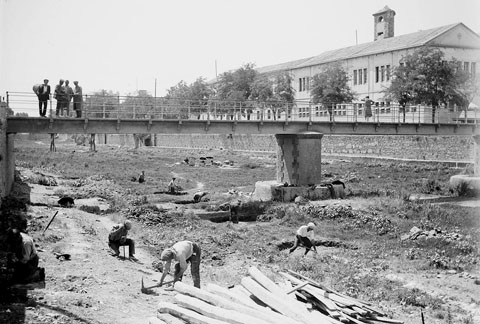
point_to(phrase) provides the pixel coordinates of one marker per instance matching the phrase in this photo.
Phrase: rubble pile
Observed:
(259, 300)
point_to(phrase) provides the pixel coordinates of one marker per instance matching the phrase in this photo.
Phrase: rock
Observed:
(452, 271)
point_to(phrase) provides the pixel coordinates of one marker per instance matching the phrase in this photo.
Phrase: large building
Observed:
(369, 66)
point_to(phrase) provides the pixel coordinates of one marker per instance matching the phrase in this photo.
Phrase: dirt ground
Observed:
(96, 287)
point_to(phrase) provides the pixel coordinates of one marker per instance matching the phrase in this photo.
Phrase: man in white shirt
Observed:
(304, 237)
(183, 252)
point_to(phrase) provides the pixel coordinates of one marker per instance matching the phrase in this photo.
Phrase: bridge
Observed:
(298, 126)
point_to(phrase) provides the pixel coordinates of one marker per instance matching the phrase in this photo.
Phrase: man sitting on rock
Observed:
(183, 252)
(304, 237)
(24, 258)
(118, 238)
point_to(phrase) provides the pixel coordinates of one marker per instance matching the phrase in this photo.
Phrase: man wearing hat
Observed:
(305, 237)
(43, 94)
(183, 252)
(118, 238)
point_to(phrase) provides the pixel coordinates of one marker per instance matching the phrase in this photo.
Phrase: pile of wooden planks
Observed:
(258, 300)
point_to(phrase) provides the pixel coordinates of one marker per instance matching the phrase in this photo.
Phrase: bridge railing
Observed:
(25, 104)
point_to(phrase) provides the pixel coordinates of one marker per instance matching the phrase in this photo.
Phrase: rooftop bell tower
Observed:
(384, 22)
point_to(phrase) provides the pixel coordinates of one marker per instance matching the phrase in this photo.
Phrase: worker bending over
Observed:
(183, 252)
(304, 237)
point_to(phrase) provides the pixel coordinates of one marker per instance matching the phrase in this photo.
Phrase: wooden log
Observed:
(358, 302)
(239, 289)
(222, 314)
(169, 319)
(296, 288)
(281, 304)
(187, 315)
(154, 320)
(385, 319)
(231, 294)
(322, 317)
(360, 310)
(260, 312)
(330, 305)
(263, 280)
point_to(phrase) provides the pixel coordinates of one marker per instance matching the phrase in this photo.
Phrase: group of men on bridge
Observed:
(64, 94)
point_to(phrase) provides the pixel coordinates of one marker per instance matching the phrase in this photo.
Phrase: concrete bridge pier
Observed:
(299, 158)
(7, 158)
(299, 161)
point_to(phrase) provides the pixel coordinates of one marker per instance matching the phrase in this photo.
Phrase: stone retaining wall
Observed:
(438, 148)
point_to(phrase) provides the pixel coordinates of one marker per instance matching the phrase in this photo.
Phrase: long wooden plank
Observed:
(266, 314)
(187, 315)
(222, 314)
(154, 320)
(358, 302)
(385, 319)
(263, 280)
(282, 305)
(330, 305)
(169, 319)
(232, 295)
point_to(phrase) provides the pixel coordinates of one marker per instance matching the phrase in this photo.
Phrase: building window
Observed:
(388, 73)
(354, 77)
(377, 74)
(308, 83)
(360, 78)
(383, 72)
(299, 84)
(473, 68)
(466, 66)
(364, 76)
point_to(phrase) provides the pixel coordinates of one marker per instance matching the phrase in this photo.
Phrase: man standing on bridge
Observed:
(77, 99)
(59, 94)
(43, 94)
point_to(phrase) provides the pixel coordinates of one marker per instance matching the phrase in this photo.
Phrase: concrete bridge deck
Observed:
(189, 126)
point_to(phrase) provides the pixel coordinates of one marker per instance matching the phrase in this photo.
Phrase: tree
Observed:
(191, 98)
(139, 105)
(275, 91)
(425, 77)
(103, 104)
(236, 85)
(330, 87)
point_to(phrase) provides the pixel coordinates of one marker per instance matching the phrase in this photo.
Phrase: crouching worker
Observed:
(24, 258)
(304, 237)
(183, 252)
(118, 238)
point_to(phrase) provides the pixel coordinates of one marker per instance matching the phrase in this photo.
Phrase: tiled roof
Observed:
(380, 46)
(386, 8)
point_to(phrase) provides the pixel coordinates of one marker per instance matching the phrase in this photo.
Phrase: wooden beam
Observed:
(263, 313)
(232, 295)
(297, 287)
(169, 319)
(282, 305)
(263, 280)
(187, 315)
(222, 314)
(154, 320)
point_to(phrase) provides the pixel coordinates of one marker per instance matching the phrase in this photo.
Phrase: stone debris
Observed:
(416, 233)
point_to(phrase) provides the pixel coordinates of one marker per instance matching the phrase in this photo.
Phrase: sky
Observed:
(125, 46)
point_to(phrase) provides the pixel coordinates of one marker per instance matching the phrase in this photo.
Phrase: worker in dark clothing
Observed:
(24, 258)
(197, 197)
(234, 207)
(118, 238)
